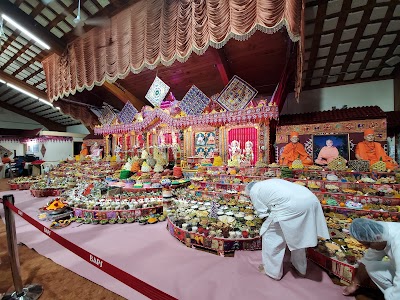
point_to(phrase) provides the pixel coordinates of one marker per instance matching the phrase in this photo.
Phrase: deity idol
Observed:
(234, 150)
(248, 152)
(200, 140)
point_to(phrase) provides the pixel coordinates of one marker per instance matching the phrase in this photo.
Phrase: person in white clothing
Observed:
(382, 239)
(294, 219)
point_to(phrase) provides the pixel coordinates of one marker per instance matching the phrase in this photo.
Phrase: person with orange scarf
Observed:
(84, 151)
(294, 150)
(373, 151)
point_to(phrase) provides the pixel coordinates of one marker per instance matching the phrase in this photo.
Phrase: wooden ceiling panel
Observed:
(259, 61)
(345, 42)
(366, 35)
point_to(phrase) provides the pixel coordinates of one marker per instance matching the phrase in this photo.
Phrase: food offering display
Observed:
(84, 169)
(344, 196)
(22, 183)
(49, 186)
(97, 203)
(220, 226)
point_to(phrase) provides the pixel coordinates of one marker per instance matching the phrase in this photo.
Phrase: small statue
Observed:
(248, 152)
(234, 150)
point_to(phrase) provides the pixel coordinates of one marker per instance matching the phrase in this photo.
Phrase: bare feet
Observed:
(351, 289)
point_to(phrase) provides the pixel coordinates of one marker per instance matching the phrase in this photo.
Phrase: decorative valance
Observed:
(157, 116)
(47, 138)
(160, 31)
(40, 139)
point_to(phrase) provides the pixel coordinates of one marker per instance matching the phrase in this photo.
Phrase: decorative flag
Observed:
(157, 92)
(108, 115)
(194, 102)
(127, 114)
(237, 94)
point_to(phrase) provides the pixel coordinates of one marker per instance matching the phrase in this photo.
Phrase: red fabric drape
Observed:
(160, 31)
(242, 135)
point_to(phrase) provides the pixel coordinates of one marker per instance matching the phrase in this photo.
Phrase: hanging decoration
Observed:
(194, 102)
(237, 94)
(108, 115)
(174, 30)
(127, 114)
(157, 92)
(43, 150)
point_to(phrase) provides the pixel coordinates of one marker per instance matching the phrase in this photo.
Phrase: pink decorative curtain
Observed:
(162, 31)
(242, 135)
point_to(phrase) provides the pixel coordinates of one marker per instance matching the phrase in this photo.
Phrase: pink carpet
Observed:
(151, 254)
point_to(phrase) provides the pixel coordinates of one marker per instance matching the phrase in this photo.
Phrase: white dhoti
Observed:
(381, 272)
(273, 252)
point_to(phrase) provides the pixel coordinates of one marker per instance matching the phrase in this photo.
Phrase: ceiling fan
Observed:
(79, 23)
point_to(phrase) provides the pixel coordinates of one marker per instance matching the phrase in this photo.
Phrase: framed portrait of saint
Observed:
(329, 146)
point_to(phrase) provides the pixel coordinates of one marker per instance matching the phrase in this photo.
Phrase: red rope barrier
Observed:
(131, 281)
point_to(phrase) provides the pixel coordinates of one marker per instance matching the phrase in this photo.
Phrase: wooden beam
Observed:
(356, 40)
(381, 32)
(222, 65)
(341, 24)
(319, 22)
(389, 54)
(50, 125)
(30, 23)
(123, 94)
(346, 82)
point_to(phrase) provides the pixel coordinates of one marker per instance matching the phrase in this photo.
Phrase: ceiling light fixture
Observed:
(45, 101)
(22, 91)
(25, 31)
(26, 92)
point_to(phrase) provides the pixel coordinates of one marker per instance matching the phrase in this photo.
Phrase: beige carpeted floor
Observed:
(60, 283)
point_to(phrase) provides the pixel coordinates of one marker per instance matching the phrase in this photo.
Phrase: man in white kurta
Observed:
(382, 239)
(295, 219)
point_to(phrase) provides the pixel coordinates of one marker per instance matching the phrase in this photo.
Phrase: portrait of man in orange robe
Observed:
(294, 150)
(373, 151)
(327, 154)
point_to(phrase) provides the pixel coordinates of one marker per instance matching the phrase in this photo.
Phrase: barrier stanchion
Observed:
(124, 277)
(28, 292)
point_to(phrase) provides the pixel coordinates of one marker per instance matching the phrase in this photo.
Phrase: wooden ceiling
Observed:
(351, 41)
(345, 42)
